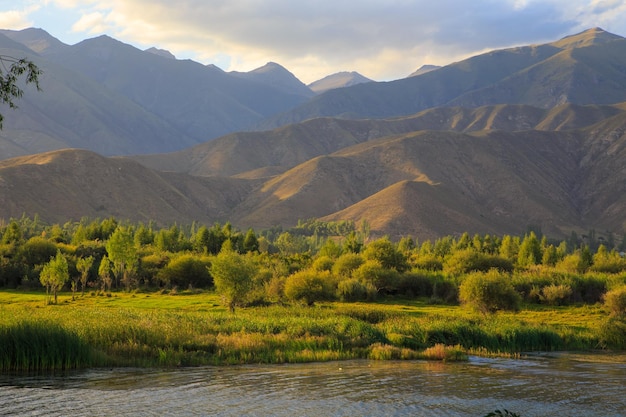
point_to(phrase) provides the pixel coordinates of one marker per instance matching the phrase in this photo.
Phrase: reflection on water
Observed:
(563, 385)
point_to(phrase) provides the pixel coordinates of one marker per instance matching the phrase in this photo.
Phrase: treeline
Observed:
(311, 262)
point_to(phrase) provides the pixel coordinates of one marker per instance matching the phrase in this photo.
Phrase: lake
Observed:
(540, 385)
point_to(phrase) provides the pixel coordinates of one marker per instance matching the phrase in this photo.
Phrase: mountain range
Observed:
(528, 136)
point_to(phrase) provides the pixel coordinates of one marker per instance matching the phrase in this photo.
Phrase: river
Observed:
(542, 385)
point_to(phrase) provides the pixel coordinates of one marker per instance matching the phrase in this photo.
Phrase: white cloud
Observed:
(383, 39)
(17, 19)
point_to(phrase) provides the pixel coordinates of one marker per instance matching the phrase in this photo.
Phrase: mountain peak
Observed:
(35, 39)
(161, 52)
(338, 80)
(424, 69)
(593, 36)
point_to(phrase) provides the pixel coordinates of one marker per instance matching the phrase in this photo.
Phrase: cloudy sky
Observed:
(381, 39)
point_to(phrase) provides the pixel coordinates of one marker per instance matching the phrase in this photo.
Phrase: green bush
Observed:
(309, 286)
(615, 301)
(383, 279)
(556, 295)
(346, 264)
(416, 284)
(354, 290)
(186, 271)
(489, 292)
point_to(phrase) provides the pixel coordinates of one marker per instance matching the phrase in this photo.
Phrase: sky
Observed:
(381, 39)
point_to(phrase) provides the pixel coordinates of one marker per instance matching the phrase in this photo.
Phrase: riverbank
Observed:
(195, 328)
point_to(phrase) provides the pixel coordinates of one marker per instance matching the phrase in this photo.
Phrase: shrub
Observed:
(383, 279)
(469, 260)
(427, 262)
(446, 291)
(186, 271)
(615, 301)
(416, 284)
(309, 286)
(556, 294)
(354, 290)
(323, 263)
(488, 292)
(346, 263)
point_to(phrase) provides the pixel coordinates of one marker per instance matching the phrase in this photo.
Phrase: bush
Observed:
(186, 271)
(556, 294)
(346, 263)
(489, 292)
(468, 260)
(353, 290)
(445, 291)
(309, 286)
(323, 263)
(383, 279)
(416, 284)
(615, 301)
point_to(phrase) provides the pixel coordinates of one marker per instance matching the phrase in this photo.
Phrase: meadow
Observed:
(192, 328)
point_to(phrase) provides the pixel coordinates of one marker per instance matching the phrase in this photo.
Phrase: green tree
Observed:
(250, 242)
(11, 70)
(233, 275)
(529, 251)
(383, 251)
(123, 255)
(54, 274)
(83, 265)
(104, 272)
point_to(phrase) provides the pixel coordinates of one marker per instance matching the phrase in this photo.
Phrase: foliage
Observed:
(9, 87)
(233, 276)
(83, 265)
(309, 286)
(122, 254)
(346, 264)
(504, 413)
(385, 253)
(556, 294)
(615, 301)
(185, 271)
(54, 274)
(488, 292)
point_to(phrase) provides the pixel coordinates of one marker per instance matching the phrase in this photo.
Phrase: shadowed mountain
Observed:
(338, 80)
(76, 112)
(587, 68)
(278, 77)
(201, 101)
(424, 69)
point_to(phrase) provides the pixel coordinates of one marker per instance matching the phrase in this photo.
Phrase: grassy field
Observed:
(188, 329)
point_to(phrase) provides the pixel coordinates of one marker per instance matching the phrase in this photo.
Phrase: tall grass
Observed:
(146, 330)
(41, 346)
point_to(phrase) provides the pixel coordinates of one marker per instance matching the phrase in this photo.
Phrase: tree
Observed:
(104, 272)
(250, 242)
(383, 251)
(122, 254)
(233, 275)
(11, 69)
(54, 275)
(529, 251)
(83, 265)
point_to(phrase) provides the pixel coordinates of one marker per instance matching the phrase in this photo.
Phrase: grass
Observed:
(188, 329)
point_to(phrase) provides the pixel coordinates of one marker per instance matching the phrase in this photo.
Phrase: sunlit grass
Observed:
(187, 329)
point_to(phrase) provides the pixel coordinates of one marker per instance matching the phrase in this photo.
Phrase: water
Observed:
(562, 385)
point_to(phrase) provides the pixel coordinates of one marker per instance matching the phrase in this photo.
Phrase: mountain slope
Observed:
(583, 69)
(70, 184)
(271, 152)
(74, 111)
(201, 101)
